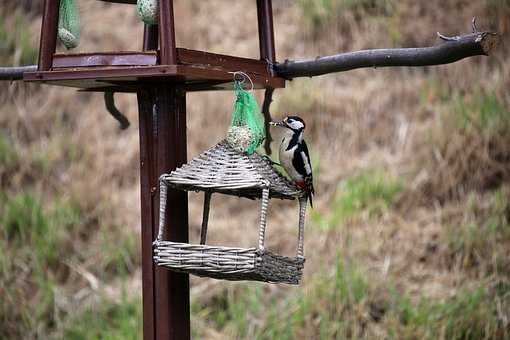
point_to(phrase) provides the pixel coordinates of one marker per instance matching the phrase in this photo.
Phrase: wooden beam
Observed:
(105, 59)
(222, 61)
(150, 58)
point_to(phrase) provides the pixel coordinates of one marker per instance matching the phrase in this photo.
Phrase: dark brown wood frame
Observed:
(123, 71)
(161, 75)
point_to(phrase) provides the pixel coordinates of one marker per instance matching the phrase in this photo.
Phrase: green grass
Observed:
(480, 242)
(330, 306)
(467, 315)
(40, 243)
(497, 5)
(479, 112)
(319, 13)
(467, 147)
(483, 112)
(15, 41)
(107, 320)
(26, 223)
(231, 309)
(34, 242)
(118, 251)
(369, 192)
(344, 304)
(8, 154)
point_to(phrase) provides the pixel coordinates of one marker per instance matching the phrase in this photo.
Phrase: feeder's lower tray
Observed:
(228, 263)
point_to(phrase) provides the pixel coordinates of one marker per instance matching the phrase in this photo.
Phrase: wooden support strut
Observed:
(48, 42)
(268, 54)
(266, 32)
(167, 33)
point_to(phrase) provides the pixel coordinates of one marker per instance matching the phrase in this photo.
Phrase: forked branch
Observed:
(450, 50)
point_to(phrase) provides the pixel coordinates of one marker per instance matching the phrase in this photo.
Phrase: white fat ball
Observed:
(148, 11)
(239, 137)
(67, 38)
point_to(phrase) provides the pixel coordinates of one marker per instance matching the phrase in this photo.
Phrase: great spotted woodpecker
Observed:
(294, 156)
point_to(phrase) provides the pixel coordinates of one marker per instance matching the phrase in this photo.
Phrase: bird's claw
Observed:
(267, 158)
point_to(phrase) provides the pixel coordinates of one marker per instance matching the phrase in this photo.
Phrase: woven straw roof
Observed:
(225, 170)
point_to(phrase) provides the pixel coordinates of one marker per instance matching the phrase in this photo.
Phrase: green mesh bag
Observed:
(247, 129)
(148, 11)
(69, 24)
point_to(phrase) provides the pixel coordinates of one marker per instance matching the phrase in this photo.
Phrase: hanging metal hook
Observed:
(243, 76)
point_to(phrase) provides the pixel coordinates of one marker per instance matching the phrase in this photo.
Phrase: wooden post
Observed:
(48, 40)
(162, 115)
(147, 182)
(162, 112)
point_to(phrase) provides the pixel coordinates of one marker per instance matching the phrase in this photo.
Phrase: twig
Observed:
(473, 25)
(474, 30)
(446, 38)
(268, 98)
(267, 158)
(450, 50)
(15, 73)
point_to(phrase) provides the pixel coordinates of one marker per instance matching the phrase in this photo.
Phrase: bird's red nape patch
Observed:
(300, 184)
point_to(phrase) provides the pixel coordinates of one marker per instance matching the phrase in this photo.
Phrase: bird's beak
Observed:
(277, 124)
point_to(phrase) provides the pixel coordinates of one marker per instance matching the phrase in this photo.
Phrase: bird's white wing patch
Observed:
(308, 167)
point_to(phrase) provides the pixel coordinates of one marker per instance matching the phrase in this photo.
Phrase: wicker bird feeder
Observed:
(223, 169)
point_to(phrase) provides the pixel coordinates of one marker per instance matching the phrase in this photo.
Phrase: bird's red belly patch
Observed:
(300, 184)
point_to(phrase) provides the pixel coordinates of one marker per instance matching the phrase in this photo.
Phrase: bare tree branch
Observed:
(15, 73)
(449, 51)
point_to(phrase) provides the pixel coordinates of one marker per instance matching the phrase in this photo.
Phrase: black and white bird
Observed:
(294, 156)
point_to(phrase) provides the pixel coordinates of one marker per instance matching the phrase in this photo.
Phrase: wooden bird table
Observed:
(160, 75)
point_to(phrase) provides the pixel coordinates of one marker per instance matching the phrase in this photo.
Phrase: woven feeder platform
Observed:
(222, 169)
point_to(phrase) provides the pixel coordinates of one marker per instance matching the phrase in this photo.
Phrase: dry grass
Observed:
(410, 234)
